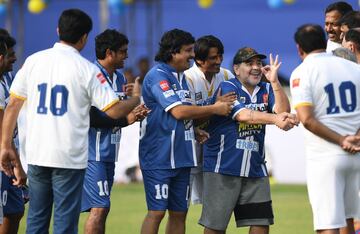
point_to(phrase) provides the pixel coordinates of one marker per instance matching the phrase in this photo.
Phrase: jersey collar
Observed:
(63, 46)
(105, 73)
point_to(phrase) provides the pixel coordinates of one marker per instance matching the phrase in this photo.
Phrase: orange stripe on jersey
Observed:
(303, 104)
(110, 105)
(17, 96)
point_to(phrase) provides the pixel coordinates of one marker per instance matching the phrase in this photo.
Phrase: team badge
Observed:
(242, 99)
(164, 85)
(295, 83)
(174, 87)
(101, 78)
(265, 98)
(198, 96)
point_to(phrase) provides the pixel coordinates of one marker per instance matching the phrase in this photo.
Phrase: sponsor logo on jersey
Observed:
(295, 83)
(247, 145)
(198, 96)
(257, 106)
(265, 98)
(164, 85)
(101, 78)
(115, 138)
(169, 93)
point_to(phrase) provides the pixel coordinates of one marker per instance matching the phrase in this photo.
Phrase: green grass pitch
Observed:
(128, 208)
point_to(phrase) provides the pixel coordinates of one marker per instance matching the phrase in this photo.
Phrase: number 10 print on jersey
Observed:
(58, 99)
(347, 93)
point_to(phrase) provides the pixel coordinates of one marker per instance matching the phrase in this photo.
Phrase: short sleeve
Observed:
(300, 88)
(19, 85)
(163, 93)
(102, 95)
(227, 87)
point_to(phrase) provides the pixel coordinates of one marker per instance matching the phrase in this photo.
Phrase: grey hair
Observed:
(345, 53)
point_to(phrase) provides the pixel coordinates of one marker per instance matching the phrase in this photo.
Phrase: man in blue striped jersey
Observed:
(13, 202)
(104, 134)
(235, 175)
(167, 143)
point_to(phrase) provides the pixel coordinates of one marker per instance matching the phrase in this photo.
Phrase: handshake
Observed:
(286, 121)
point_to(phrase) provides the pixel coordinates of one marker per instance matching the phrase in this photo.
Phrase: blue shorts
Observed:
(167, 189)
(12, 196)
(98, 181)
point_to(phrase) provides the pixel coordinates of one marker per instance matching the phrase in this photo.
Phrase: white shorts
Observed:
(333, 185)
(196, 185)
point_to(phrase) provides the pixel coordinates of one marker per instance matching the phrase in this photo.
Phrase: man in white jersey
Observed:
(333, 14)
(59, 86)
(325, 94)
(203, 79)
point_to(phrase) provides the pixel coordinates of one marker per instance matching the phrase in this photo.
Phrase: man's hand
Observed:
(201, 136)
(228, 97)
(8, 160)
(20, 176)
(136, 91)
(128, 88)
(223, 108)
(138, 114)
(271, 71)
(224, 103)
(286, 121)
(350, 144)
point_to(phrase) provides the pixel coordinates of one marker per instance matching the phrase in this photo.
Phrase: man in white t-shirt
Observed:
(325, 95)
(203, 79)
(333, 13)
(59, 86)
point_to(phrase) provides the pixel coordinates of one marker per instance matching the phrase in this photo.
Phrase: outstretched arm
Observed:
(284, 121)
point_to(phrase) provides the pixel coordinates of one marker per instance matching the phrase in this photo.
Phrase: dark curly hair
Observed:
(171, 42)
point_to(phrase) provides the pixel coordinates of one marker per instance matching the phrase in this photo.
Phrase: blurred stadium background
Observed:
(266, 25)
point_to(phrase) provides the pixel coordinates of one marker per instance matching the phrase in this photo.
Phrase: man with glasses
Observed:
(111, 49)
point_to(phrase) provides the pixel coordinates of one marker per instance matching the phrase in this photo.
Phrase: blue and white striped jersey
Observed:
(104, 142)
(165, 143)
(236, 148)
(5, 84)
